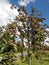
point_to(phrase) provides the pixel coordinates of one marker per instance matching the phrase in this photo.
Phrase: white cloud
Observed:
(25, 2)
(46, 42)
(6, 13)
(47, 29)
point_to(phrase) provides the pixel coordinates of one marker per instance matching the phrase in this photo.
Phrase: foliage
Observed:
(29, 27)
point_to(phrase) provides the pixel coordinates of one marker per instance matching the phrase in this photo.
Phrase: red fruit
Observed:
(14, 42)
(14, 30)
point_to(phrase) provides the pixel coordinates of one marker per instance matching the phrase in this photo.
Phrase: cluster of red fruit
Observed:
(14, 41)
(14, 30)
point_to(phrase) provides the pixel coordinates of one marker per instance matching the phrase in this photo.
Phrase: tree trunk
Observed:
(29, 58)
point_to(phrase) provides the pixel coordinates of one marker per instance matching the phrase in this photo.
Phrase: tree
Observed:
(9, 48)
(28, 27)
(33, 30)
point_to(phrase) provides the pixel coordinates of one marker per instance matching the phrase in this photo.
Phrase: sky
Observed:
(42, 5)
(6, 13)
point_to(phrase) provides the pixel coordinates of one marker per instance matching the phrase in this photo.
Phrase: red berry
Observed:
(14, 42)
(14, 30)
